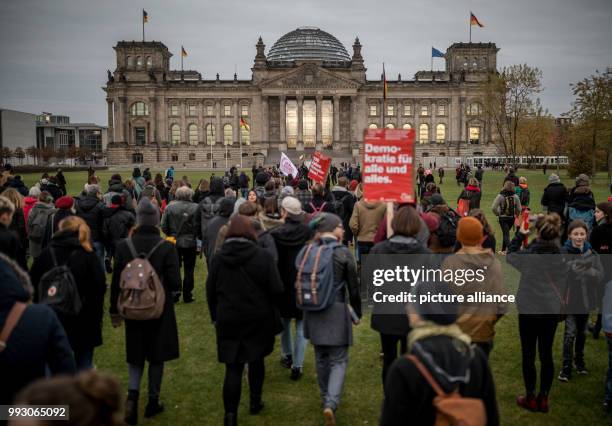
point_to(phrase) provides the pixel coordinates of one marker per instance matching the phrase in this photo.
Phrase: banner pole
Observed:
(389, 219)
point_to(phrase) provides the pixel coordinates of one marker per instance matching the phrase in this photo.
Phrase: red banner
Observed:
(388, 162)
(319, 168)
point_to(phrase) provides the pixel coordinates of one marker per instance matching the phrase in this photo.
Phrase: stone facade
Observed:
(158, 115)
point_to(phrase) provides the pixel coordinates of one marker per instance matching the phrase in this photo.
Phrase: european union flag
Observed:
(435, 53)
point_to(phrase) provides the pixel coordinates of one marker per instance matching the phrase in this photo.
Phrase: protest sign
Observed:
(287, 167)
(388, 161)
(319, 167)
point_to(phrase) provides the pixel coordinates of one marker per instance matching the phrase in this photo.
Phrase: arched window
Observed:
(227, 134)
(423, 133)
(245, 135)
(390, 126)
(175, 134)
(149, 62)
(130, 62)
(138, 61)
(373, 126)
(140, 108)
(474, 109)
(210, 134)
(407, 126)
(440, 133)
(193, 134)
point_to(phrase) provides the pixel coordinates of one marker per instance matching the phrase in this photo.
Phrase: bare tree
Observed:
(535, 133)
(6, 154)
(33, 152)
(20, 154)
(592, 110)
(509, 98)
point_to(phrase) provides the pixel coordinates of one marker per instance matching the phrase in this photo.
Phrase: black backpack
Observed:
(447, 231)
(58, 289)
(338, 205)
(508, 206)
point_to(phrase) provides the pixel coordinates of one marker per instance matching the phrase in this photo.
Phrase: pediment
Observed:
(309, 76)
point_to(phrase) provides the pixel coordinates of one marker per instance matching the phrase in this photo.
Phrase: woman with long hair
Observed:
(242, 286)
(18, 223)
(71, 246)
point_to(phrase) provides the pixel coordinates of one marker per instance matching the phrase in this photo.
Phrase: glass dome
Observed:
(308, 43)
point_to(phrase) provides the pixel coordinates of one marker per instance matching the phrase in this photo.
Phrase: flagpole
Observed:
(470, 23)
(431, 58)
(240, 139)
(182, 49)
(143, 22)
(384, 96)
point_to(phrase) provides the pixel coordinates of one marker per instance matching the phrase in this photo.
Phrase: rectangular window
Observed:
(210, 110)
(244, 110)
(140, 136)
(174, 110)
(192, 109)
(424, 110)
(227, 110)
(407, 109)
(291, 123)
(441, 109)
(390, 109)
(373, 110)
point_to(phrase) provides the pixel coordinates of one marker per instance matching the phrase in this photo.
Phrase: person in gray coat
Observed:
(180, 221)
(330, 330)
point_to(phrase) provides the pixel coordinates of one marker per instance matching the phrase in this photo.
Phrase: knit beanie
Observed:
(469, 231)
(436, 200)
(66, 202)
(146, 213)
(261, 178)
(353, 185)
(303, 185)
(432, 221)
(325, 222)
(554, 178)
(582, 180)
(287, 190)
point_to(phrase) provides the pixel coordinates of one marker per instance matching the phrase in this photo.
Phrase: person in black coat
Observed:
(10, 243)
(319, 202)
(242, 287)
(155, 341)
(71, 246)
(37, 341)
(90, 207)
(289, 239)
(65, 208)
(394, 328)
(117, 223)
(346, 200)
(554, 196)
(445, 352)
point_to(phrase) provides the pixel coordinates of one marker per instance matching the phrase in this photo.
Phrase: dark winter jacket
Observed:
(554, 198)
(152, 340)
(348, 200)
(318, 201)
(90, 209)
(584, 278)
(58, 216)
(242, 288)
(116, 187)
(52, 189)
(581, 198)
(180, 221)
(289, 239)
(408, 396)
(38, 340)
(116, 225)
(11, 246)
(17, 183)
(209, 206)
(84, 330)
(46, 210)
(512, 178)
(18, 225)
(214, 224)
(543, 275)
(394, 324)
(473, 194)
(333, 326)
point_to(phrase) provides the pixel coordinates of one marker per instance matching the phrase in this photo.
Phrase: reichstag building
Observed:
(305, 94)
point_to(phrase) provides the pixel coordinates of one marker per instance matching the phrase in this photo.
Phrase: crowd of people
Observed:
(283, 256)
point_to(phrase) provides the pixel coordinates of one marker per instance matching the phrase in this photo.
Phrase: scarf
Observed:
(429, 329)
(570, 247)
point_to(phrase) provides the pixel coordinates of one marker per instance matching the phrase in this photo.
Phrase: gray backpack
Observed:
(314, 284)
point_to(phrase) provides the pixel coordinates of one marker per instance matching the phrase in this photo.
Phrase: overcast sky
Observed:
(55, 53)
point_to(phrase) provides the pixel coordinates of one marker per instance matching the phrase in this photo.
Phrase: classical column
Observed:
(183, 113)
(201, 124)
(398, 114)
(124, 119)
(110, 133)
(162, 121)
(336, 119)
(218, 132)
(265, 112)
(152, 120)
(462, 121)
(319, 101)
(236, 125)
(117, 120)
(300, 111)
(282, 119)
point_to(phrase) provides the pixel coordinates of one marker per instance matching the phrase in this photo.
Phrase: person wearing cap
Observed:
(330, 330)
(554, 197)
(289, 239)
(154, 341)
(65, 208)
(448, 356)
(393, 327)
(477, 320)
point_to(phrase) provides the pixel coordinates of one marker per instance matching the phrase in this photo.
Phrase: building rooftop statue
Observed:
(308, 43)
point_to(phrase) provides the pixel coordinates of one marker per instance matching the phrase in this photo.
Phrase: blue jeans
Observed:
(299, 346)
(332, 362)
(84, 359)
(99, 249)
(609, 377)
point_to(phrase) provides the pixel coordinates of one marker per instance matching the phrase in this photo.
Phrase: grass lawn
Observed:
(192, 384)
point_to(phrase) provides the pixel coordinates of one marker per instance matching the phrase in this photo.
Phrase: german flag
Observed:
(385, 87)
(474, 20)
(183, 52)
(145, 16)
(244, 124)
